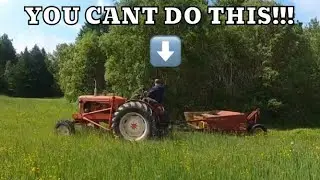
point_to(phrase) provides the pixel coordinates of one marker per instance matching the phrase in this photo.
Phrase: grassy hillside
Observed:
(30, 150)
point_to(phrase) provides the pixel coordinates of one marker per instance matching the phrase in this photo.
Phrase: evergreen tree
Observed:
(7, 53)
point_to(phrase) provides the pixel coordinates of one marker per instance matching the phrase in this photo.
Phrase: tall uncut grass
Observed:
(30, 150)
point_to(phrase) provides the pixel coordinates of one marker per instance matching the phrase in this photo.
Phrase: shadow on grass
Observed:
(291, 125)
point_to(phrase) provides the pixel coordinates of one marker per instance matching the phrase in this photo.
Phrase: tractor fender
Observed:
(137, 100)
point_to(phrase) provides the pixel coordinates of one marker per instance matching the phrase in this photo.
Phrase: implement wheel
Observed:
(65, 127)
(258, 129)
(133, 121)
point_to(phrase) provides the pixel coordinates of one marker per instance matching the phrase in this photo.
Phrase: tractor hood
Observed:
(101, 98)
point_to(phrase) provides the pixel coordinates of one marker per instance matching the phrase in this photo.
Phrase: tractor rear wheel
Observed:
(133, 121)
(65, 127)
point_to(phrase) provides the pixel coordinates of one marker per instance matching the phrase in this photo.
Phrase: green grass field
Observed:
(30, 150)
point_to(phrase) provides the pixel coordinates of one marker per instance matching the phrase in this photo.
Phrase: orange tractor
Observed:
(135, 120)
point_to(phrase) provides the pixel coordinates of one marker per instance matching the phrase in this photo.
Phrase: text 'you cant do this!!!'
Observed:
(130, 15)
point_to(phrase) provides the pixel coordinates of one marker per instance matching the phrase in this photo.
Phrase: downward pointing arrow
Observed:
(165, 53)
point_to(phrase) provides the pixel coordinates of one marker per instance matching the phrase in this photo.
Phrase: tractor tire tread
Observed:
(68, 123)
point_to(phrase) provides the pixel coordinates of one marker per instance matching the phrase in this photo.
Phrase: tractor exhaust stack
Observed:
(95, 87)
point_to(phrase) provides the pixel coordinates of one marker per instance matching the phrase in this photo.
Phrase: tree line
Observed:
(273, 67)
(26, 74)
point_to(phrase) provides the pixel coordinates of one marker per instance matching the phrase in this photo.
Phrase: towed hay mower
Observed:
(143, 118)
(225, 121)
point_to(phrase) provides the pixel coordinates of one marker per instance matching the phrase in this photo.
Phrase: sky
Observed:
(14, 21)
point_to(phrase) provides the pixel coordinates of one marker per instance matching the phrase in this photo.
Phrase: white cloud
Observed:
(307, 9)
(2, 2)
(31, 37)
(100, 3)
(76, 27)
(104, 3)
(44, 37)
(49, 43)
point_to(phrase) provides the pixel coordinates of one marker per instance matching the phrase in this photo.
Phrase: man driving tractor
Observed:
(155, 96)
(157, 91)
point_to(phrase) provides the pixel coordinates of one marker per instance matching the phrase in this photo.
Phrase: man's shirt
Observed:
(156, 93)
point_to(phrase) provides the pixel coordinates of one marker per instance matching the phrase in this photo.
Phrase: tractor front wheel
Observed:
(65, 127)
(133, 121)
